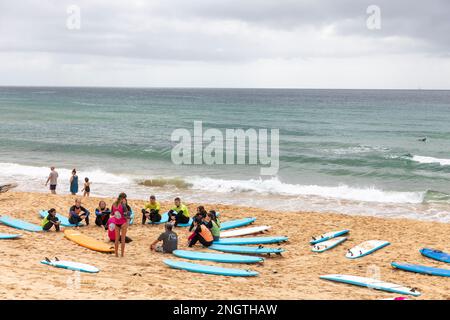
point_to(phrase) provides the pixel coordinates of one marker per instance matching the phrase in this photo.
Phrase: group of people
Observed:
(53, 181)
(205, 225)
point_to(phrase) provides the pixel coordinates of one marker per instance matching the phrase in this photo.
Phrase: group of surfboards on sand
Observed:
(205, 226)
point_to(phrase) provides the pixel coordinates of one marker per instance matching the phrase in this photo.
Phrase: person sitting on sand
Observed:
(111, 228)
(51, 220)
(121, 212)
(212, 223)
(77, 213)
(201, 233)
(201, 214)
(151, 211)
(74, 183)
(169, 240)
(102, 214)
(86, 188)
(179, 213)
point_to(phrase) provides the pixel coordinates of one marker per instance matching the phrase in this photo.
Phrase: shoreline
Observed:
(295, 275)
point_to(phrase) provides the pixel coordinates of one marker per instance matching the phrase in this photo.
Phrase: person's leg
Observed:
(155, 216)
(98, 221)
(123, 234)
(193, 240)
(57, 226)
(181, 218)
(116, 241)
(87, 218)
(47, 226)
(144, 216)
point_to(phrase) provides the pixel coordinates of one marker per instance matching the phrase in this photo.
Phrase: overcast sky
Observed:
(226, 43)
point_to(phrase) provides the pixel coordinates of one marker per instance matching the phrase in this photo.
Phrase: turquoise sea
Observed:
(348, 151)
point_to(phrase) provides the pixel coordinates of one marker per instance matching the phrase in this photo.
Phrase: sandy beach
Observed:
(142, 274)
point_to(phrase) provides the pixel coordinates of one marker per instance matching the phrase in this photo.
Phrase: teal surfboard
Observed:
(254, 240)
(64, 220)
(7, 236)
(372, 283)
(216, 257)
(19, 224)
(421, 269)
(436, 255)
(70, 265)
(328, 236)
(245, 249)
(236, 223)
(201, 268)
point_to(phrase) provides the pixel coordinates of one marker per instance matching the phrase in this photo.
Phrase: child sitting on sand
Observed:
(201, 233)
(102, 214)
(169, 240)
(151, 210)
(201, 214)
(213, 223)
(50, 220)
(77, 213)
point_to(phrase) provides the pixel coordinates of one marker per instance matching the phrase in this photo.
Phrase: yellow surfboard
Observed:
(87, 241)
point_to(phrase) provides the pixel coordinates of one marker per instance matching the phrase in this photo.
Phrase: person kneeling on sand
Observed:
(169, 241)
(111, 227)
(102, 214)
(77, 213)
(51, 220)
(179, 213)
(213, 223)
(201, 233)
(151, 211)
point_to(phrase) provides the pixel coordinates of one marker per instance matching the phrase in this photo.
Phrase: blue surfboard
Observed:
(421, 269)
(435, 254)
(201, 268)
(328, 236)
(236, 223)
(7, 236)
(254, 240)
(19, 224)
(245, 249)
(216, 257)
(64, 220)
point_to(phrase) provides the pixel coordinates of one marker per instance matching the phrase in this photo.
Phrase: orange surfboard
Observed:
(88, 242)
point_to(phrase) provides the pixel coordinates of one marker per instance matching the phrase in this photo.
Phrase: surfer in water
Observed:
(121, 212)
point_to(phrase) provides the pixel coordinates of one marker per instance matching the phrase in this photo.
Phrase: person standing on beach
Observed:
(87, 187)
(53, 179)
(121, 213)
(74, 183)
(179, 213)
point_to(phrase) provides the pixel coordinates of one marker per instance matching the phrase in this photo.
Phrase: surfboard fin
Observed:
(48, 260)
(56, 258)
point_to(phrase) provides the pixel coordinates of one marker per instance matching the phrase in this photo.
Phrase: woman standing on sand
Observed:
(74, 183)
(121, 214)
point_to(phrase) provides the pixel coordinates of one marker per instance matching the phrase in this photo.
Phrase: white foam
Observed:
(275, 186)
(423, 159)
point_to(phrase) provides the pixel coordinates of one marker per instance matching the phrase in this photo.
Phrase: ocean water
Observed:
(346, 151)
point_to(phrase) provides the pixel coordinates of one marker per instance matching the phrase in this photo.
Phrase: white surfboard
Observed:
(327, 245)
(327, 236)
(365, 248)
(243, 232)
(371, 283)
(71, 265)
